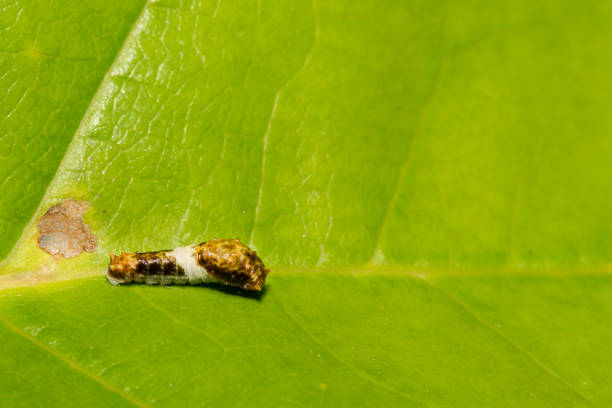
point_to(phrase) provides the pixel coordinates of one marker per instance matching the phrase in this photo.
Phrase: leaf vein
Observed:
(360, 374)
(273, 114)
(178, 321)
(72, 144)
(72, 364)
(402, 172)
(515, 345)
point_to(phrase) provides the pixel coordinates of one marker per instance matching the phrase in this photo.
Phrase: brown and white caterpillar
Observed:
(227, 261)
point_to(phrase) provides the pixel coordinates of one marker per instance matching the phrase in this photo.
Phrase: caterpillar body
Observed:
(227, 261)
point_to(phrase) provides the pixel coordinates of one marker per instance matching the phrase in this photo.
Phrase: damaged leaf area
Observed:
(63, 232)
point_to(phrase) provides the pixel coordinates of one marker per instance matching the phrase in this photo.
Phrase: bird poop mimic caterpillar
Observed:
(227, 261)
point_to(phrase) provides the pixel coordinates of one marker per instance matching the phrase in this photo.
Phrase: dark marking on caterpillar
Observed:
(228, 261)
(149, 267)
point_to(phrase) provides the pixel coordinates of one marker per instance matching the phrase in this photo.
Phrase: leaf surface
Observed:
(428, 184)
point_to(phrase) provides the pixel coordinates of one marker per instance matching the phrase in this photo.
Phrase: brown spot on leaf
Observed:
(63, 232)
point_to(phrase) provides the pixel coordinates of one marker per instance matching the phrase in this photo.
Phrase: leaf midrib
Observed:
(71, 144)
(31, 279)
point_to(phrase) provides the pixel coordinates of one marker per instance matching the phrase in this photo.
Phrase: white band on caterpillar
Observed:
(185, 258)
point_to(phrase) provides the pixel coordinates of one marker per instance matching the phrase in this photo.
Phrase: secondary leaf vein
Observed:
(273, 114)
(72, 144)
(72, 364)
(515, 345)
(360, 374)
(404, 167)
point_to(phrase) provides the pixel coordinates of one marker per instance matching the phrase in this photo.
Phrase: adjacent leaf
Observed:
(464, 145)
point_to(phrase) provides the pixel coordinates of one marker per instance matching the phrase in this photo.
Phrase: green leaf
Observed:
(334, 338)
(52, 60)
(427, 182)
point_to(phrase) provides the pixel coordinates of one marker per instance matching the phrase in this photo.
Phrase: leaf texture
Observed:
(427, 182)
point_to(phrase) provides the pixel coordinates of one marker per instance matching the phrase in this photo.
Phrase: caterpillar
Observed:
(227, 261)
